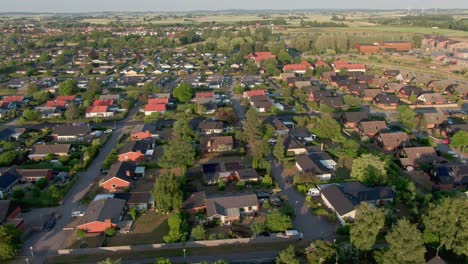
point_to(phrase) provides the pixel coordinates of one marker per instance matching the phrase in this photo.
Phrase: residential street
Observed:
(46, 243)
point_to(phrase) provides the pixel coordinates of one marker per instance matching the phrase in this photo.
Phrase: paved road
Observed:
(45, 243)
(246, 257)
(313, 227)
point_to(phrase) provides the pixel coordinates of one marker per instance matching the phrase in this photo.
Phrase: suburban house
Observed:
(137, 151)
(216, 143)
(386, 100)
(249, 94)
(39, 152)
(450, 176)
(406, 91)
(261, 103)
(351, 119)
(343, 198)
(227, 171)
(154, 108)
(415, 156)
(121, 175)
(306, 164)
(431, 98)
(208, 127)
(280, 127)
(69, 133)
(260, 56)
(195, 203)
(98, 111)
(300, 68)
(392, 141)
(371, 128)
(142, 135)
(102, 214)
(230, 208)
(292, 144)
(344, 65)
(33, 175)
(10, 214)
(9, 177)
(65, 98)
(433, 120)
(141, 201)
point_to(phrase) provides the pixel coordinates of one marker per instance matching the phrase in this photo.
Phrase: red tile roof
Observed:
(254, 93)
(261, 56)
(103, 102)
(204, 95)
(56, 104)
(158, 100)
(346, 65)
(96, 109)
(297, 67)
(67, 98)
(155, 108)
(13, 98)
(321, 64)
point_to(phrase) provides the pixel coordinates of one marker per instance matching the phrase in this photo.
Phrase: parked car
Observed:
(294, 233)
(50, 224)
(77, 213)
(452, 153)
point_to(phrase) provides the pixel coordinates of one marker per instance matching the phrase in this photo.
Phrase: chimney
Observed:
(108, 222)
(127, 173)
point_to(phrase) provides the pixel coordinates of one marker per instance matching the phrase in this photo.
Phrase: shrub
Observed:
(41, 183)
(221, 185)
(80, 233)
(110, 232)
(240, 185)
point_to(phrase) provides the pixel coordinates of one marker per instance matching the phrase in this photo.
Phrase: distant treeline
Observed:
(440, 21)
(323, 24)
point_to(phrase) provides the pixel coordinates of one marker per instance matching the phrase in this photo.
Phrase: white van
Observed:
(294, 233)
(313, 192)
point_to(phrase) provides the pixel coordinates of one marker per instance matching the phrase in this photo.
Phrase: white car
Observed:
(108, 131)
(77, 213)
(452, 153)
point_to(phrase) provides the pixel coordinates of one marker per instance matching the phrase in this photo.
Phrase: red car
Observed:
(446, 141)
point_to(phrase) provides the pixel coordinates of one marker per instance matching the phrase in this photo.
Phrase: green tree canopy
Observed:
(369, 169)
(278, 150)
(167, 193)
(327, 127)
(460, 139)
(407, 116)
(68, 87)
(198, 233)
(405, 245)
(110, 261)
(177, 229)
(277, 222)
(447, 222)
(320, 251)
(10, 242)
(72, 112)
(352, 100)
(32, 88)
(183, 92)
(178, 154)
(369, 220)
(287, 256)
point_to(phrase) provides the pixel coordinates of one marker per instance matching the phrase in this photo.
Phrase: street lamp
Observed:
(184, 253)
(27, 261)
(32, 251)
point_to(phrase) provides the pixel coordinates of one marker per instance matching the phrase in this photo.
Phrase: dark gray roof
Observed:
(355, 117)
(6, 207)
(195, 200)
(100, 210)
(136, 145)
(8, 177)
(119, 170)
(68, 130)
(134, 197)
(338, 200)
(220, 204)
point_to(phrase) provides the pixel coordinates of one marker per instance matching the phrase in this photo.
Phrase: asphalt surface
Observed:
(47, 243)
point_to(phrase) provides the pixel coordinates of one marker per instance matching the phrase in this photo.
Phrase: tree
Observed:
(412, 98)
(226, 114)
(183, 129)
(32, 89)
(178, 153)
(163, 261)
(278, 150)
(110, 231)
(252, 126)
(10, 242)
(72, 112)
(183, 92)
(68, 87)
(177, 229)
(320, 251)
(277, 222)
(167, 193)
(407, 116)
(31, 115)
(287, 256)
(447, 223)
(369, 220)
(267, 181)
(8, 157)
(93, 88)
(257, 228)
(198, 233)
(369, 169)
(405, 245)
(284, 57)
(110, 261)
(133, 213)
(327, 127)
(352, 100)
(460, 139)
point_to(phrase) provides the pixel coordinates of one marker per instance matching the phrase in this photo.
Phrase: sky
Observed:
(75, 6)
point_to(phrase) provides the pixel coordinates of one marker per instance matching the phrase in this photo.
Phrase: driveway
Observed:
(45, 243)
(313, 227)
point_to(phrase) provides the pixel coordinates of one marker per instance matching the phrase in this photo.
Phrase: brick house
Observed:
(10, 214)
(39, 152)
(120, 176)
(137, 151)
(217, 144)
(33, 175)
(68, 133)
(102, 214)
(231, 207)
(392, 141)
(98, 111)
(154, 108)
(351, 119)
(195, 203)
(371, 128)
(415, 156)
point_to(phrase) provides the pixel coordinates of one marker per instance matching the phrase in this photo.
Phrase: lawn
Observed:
(149, 229)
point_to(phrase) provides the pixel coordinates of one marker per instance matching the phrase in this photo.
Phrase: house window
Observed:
(113, 186)
(250, 208)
